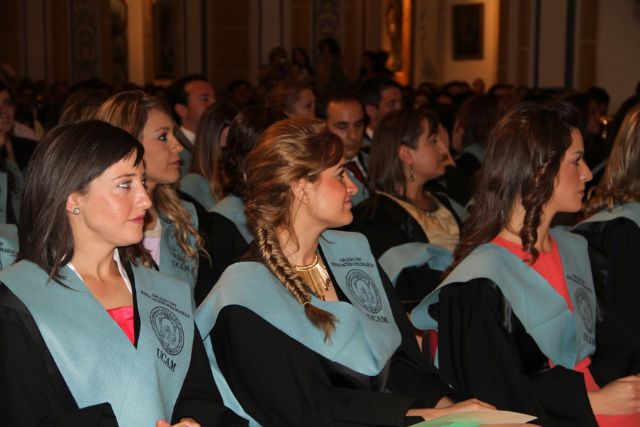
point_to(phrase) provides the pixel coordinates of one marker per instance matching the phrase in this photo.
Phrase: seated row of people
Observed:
(344, 350)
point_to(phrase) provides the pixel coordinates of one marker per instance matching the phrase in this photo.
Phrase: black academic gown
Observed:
(485, 351)
(34, 392)
(454, 183)
(614, 250)
(386, 224)
(468, 164)
(223, 244)
(279, 381)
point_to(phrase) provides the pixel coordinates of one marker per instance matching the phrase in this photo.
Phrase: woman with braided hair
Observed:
(306, 330)
(518, 319)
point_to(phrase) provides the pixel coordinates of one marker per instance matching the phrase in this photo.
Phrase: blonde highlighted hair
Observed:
(288, 151)
(129, 110)
(621, 180)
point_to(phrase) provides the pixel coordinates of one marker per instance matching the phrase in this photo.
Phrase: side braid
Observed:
(535, 194)
(274, 259)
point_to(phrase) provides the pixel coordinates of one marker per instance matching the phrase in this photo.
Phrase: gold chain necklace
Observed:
(315, 276)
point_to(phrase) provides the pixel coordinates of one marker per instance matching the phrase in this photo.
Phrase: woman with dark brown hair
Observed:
(517, 315)
(227, 221)
(88, 336)
(203, 182)
(612, 224)
(412, 231)
(307, 331)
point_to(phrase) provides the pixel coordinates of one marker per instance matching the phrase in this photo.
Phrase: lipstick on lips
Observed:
(138, 220)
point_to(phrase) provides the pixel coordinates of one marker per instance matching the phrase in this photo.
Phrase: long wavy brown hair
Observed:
(288, 151)
(207, 148)
(621, 180)
(129, 110)
(524, 154)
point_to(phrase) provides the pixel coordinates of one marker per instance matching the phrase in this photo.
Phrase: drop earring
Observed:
(411, 176)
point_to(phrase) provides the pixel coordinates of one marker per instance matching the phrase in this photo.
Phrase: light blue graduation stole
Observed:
(476, 150)
(366, 335)
(173, 260)
(630, 211)
(197, 186)
(95, 357)
(9, 244)
(186, 159)
(414, 254)
(564, 337)
(232, 208)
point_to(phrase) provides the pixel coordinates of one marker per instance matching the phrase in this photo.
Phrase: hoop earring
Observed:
(411, 176)
(76, 211)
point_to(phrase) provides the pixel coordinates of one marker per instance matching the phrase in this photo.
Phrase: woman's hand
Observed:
(185, 422)
(621, 397)
(445, 407)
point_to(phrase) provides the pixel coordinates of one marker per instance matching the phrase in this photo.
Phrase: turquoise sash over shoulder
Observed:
(197, 186)
(565, 337)
(366, 335)
(173, 260)
(232, 208)
(96, 359)
(414, 254)
(630, 211)
(9, 244)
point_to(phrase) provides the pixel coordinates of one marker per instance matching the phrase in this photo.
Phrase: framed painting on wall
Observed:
(468, 29)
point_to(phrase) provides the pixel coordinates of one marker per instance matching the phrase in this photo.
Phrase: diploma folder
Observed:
(476, 418)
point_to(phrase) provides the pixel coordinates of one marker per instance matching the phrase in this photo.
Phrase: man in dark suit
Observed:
(189, 97)
(380, 96)
(344, 115)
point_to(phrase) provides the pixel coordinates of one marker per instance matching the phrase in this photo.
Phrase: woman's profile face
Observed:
(161, 149)
(427, 158)
(112, 210)
(571, 179)
(329, 198)
(305, 105)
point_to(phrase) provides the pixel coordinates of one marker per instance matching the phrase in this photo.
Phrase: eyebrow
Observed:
(125, 175)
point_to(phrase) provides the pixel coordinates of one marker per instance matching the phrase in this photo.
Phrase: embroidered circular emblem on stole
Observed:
(364, 290)
(168, 329)
(585, 310)
(170, 237)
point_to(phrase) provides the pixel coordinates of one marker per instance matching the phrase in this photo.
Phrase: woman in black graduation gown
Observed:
(517, 319)
(412, 232)
(611, 225)
(77, 344)
(227, 221)
(306, 331)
